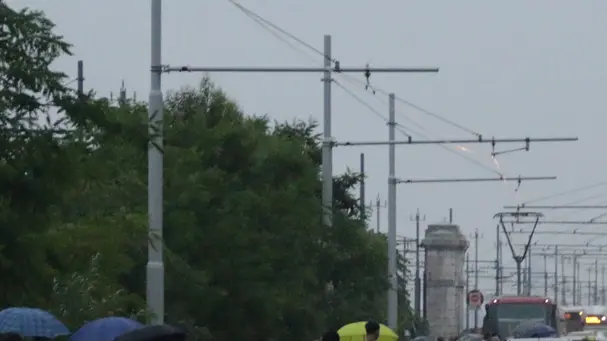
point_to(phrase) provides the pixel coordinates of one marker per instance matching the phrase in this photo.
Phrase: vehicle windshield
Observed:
(509, 316)
(538, 312)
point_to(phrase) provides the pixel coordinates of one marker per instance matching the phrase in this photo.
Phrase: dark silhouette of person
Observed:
(331, 335)
(372, 329)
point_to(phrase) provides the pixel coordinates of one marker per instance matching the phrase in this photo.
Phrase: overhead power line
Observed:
(276, 31)
(406, 131)
(268, 25)
(564, 193)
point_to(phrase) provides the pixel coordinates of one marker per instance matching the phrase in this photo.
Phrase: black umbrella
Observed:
(534, 330)
(161, 332)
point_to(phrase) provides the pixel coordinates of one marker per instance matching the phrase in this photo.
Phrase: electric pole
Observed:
(417, 288)
(603, 298)
(467, 289)
(476, 275)
(589, 285)
(574, 281)
(596, 281)
(546, 276)
(363, 175)
(519, 258)
(378, 206)
(529, 281)
(80, 78)
(564, 282)
(556, 274)
(498, 263)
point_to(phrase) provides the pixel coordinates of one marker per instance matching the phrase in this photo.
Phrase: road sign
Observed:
(475, 299)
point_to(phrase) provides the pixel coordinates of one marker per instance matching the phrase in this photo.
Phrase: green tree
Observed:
(41, 164)
(247, 255)
(34, 166)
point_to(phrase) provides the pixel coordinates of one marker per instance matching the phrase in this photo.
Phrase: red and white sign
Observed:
(475, 299)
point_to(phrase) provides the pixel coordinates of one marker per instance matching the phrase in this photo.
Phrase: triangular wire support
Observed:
(518, 258)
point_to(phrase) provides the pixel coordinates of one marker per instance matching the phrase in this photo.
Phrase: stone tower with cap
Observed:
(445, 253)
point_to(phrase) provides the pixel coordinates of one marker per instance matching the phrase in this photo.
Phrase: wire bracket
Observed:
(495, 153)
(367, 74)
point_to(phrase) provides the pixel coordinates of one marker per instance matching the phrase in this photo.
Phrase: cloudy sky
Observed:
(507, 69)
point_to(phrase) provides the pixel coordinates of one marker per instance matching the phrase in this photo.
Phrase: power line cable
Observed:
(268, 25)
(579, 201)
(408, 131)
(564, 193)
(414, 106)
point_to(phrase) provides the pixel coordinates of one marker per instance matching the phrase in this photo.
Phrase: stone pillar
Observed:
(445, 257)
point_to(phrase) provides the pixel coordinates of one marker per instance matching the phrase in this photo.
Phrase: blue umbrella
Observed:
(105, 329)
(536, 330)
(31, 322)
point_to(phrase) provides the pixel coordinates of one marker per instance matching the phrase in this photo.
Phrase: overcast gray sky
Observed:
(509, 69)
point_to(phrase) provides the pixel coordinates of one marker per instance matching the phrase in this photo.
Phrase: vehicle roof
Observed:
(519, 299)
(582, 333)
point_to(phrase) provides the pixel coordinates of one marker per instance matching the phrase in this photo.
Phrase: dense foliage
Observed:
(247, 256)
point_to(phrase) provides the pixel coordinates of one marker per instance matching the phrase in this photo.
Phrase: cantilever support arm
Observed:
(519, 179)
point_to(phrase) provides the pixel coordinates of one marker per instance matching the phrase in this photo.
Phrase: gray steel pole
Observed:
(418, 289)
(392, 291)
(377, 215)
(529, 282)
(564, 282)
(596, 281)
(574, 280)
(518, 277)
(603, 298)
(327, 143)
(476, 274)
(363, 213)
(466, 308)
(80, 77)
(155, 265)
(546, 275)
(524, 290)
(497, 261)
(556, 274)
(589, 294)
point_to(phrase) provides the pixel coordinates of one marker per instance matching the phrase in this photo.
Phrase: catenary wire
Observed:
(408, 131)
(267, 25)
(564, 193)
(414, 106)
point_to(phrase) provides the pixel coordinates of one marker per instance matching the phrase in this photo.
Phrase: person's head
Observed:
(372, 329)
(331, 335)
(440, 338)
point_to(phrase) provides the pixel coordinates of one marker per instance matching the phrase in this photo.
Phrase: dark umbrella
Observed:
(535, 330)
(31, 322)
(153, 333)
(105, 329)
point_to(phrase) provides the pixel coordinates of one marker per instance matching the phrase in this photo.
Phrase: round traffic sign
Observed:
(475, 298)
